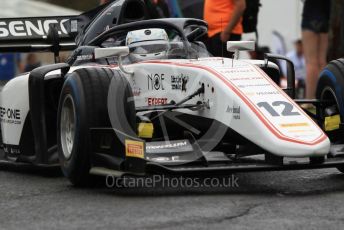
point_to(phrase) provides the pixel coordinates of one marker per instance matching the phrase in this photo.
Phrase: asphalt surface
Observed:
(43, 199)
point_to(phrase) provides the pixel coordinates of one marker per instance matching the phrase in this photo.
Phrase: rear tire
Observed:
(83, 105)
(331, 87)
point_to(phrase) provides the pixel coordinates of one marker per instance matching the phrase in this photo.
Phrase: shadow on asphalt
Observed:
(25, 168)
(51, 171)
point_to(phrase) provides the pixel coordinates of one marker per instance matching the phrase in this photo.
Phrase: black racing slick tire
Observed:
(83, 105)
(331, 88)
(332, 79)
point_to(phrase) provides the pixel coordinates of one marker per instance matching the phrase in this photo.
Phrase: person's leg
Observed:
(215, 45)
(219, 49)
(323, 46)
(311, 51)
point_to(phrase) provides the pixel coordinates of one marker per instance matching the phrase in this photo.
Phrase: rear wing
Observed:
(43, 34)
(38, 34)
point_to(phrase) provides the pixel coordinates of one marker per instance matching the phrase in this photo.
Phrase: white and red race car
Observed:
(144, 96)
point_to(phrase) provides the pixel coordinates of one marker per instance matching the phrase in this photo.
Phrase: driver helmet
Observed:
(147, 44)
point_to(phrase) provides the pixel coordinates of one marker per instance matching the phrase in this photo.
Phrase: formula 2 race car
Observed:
(144, 97)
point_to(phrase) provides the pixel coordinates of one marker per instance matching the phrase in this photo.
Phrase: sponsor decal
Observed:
(245, 78)
(164, 159)
(10, 116)
(212, 59)
(291, 125)
(30, 27)
(268, 93)
(253, 85)
(156, 81)
(136, 91)
(12, 150)
(237, 70)
(300, 131)
(156, 101)
(160, 159)
(235, 110)
(134, 149)
(85, 57)
(179, 82)
(168, 146)
(74, 26)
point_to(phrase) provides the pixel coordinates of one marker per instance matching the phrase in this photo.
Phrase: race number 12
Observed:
(287, 108)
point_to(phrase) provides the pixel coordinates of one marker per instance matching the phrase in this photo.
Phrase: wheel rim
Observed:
(67, 126)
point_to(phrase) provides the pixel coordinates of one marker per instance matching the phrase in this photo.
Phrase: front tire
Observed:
(331, 88)
(83, 104)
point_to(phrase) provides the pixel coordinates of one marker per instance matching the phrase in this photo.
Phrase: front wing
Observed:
(133, 156)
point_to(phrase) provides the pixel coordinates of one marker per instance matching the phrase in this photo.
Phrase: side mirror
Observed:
(120, 51)
(233, 46)
(236, 46)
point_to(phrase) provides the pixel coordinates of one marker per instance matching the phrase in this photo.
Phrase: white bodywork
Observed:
(239, 89)
(237, 94)
(14, 109)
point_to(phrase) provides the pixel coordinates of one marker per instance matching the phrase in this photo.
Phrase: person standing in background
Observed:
(162, 8)
(157, 9)
(31, 62)
(315, 27)
(10, 66)
(298, 59)
(224, 18)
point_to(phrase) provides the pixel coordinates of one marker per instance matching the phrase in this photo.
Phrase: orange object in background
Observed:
(217, 14)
